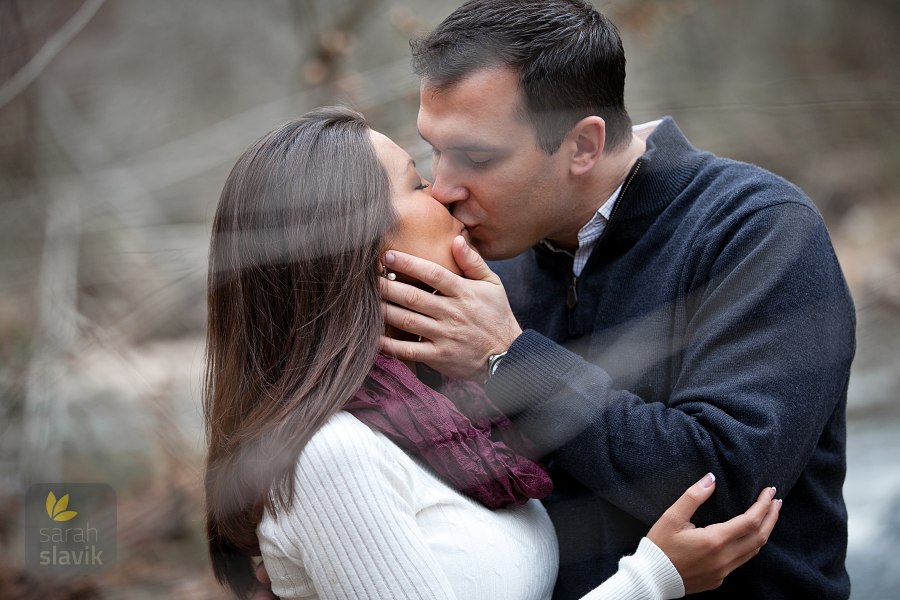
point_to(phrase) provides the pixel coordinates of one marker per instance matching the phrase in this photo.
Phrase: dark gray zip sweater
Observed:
(712, 331)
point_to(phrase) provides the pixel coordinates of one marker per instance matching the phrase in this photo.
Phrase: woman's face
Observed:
(425, 228)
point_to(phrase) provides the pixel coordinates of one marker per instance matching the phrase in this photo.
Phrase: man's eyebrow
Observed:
(469, 147)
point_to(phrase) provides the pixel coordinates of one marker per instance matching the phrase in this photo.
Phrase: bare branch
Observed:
(24, 76)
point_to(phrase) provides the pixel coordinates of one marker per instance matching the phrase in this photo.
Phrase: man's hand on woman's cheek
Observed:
(465, 322)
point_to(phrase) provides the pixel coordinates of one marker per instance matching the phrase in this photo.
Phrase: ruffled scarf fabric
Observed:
(456, 430)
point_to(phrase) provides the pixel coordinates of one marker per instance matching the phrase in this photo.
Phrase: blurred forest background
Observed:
(120, 119)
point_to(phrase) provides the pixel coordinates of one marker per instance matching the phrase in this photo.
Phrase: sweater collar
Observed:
(660, 175)
(668, 165)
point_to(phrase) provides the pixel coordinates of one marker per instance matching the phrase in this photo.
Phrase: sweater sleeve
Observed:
(351, 531)
(762, 366)
(648, 574)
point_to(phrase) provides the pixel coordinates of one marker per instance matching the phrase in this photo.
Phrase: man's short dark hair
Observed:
(569, 57)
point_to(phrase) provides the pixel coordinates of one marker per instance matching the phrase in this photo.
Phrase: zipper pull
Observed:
(572, 295)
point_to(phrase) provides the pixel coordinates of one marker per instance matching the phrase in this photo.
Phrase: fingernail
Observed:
(771, 492)
(708, 480)
(389, 258)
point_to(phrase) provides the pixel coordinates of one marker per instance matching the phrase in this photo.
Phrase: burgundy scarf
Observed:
(461, 435)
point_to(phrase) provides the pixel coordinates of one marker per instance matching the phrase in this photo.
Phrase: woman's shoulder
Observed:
(340, 465)
(342, 476)
(347, 454)
(345, 441)
(342, 432)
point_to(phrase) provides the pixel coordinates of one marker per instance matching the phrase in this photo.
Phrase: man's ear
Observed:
(586, 141)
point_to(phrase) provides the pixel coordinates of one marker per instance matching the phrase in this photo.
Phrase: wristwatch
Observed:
(493, 363)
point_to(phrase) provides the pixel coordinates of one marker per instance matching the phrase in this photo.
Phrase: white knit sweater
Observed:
(369, 521)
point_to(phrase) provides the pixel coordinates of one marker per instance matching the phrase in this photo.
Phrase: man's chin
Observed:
(493, 253)
(483, 249)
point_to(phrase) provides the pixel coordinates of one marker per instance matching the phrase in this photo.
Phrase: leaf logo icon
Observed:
(56, 509)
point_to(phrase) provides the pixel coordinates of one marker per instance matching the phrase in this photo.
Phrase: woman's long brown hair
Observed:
(294, 315)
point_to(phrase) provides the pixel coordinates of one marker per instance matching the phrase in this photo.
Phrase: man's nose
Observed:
(445, 188)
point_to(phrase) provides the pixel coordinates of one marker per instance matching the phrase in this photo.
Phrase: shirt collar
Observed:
(591, 230)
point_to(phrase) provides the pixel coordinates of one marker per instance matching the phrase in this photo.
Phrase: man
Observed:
(669, 312)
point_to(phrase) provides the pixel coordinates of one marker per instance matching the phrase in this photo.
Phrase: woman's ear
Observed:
(586, 141)
(384, 272)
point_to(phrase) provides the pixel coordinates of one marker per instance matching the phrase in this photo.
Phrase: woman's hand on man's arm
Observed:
(704, 556)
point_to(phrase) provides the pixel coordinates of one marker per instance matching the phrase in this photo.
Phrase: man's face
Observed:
(487, 164)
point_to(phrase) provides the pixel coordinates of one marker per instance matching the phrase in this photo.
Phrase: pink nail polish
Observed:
(708, 480)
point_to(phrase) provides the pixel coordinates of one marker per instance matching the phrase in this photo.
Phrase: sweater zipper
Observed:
(634, 172)
(571, 292)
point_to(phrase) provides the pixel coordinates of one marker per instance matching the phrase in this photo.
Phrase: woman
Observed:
(350, 475)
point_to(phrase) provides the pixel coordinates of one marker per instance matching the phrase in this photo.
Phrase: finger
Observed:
(749, 521)
(470, 262)
(760, 536)
(743, 536)
(685, 507)
(410, 296)
(410, 322)
(429, 273)
(771, 518)
(408, 351)
(755, 544)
